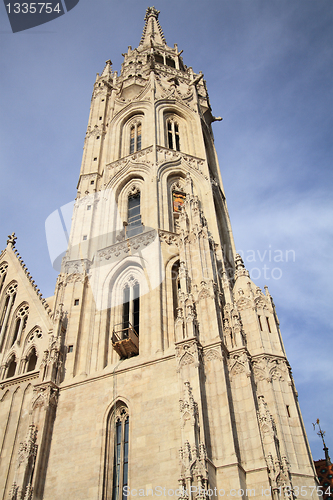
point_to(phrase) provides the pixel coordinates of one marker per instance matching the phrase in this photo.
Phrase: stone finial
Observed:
(11, 239)
(239, 262)
(151, 11)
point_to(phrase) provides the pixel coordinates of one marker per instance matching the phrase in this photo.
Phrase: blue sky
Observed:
(268, 67)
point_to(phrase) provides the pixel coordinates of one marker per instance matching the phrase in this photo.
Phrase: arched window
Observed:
(135, 137)
(8, 305)
(32, 361)
(134, 225)
(131, 306)
(125, 335)
(178, 200)
(175, 286)
(3, 272)
(117, 454)
(20, 323)
(173, 135)
(11, 368)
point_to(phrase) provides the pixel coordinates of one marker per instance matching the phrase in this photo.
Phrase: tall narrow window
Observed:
(131, 308)
(11, 368)
(175, 286)
(135, 137)
(138, 137)
(9, 302)
(32, 361)
(126, 308)
(20, 323)
(134, 225)
(3, 272)
(268, 325)
(178, 200)
(260, 324)
(117, 454)
(173, 135)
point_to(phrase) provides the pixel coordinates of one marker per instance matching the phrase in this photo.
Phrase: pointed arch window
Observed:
(175, 286)
(10, 297)
(125, 335)
(3, 273)
(117, 454)
(20, 323)
(134, 224)
(131, 307)
(32, 361)
(135, 137)
(11, 368)
(173, 135)
(178, 200)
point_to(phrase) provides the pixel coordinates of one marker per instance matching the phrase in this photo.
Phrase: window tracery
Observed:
(173, 137)
(117, 454)
(178, 199)
(131, 305)
(134, 224)
(135, 136)
(3, 273)
(20, 323)
(10, 296)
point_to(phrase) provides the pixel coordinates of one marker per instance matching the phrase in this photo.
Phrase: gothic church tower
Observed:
(158, 363)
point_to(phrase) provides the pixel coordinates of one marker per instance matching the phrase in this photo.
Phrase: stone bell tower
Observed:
(173, 372)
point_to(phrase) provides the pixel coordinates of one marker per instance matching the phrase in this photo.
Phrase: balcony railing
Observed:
(125, 341)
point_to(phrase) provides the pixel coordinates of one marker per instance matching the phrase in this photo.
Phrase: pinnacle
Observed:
(152, 31)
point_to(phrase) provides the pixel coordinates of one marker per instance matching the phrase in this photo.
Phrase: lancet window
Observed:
(117, 454)
(175, 286)
(134, 225)
(178, 200)
(11, 367)
(10, 296)
(20, 323)
(135, 137)
(173, 140)
(32, 361)
(3, 272)
(131, 306)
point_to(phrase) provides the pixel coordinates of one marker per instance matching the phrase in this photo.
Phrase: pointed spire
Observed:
(152, 32)
(108, 68)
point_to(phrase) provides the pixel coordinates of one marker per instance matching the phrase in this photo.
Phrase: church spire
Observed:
(152, 31)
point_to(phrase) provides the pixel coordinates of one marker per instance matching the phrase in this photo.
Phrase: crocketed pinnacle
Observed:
(152, 31)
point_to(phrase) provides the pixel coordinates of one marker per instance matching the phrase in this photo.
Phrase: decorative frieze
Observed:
(188, 352)
(239, 363)
(266, 367)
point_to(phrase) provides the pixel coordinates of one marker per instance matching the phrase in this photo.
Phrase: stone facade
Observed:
(158, 363)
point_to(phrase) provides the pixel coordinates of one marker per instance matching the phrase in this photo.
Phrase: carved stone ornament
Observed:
(168, 237)
(212, 355)
(192, 457)
(266, 421)
(187, 406)
(11, 240)
(188, 352)
(239, 363)
(45, 395)
(27, 448)
(128, 247)
(22, 485)
(270, 368)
